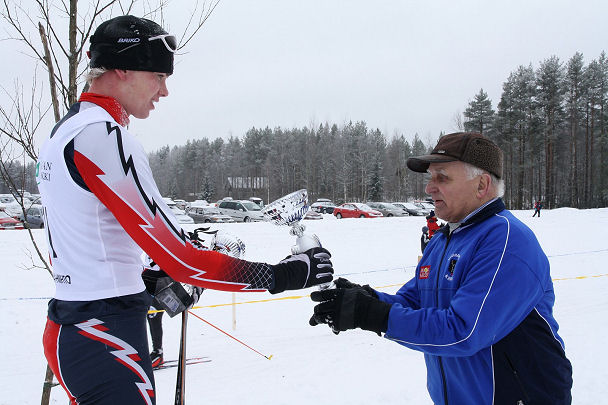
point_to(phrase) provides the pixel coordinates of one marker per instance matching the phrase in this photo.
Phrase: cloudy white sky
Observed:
(402, 66)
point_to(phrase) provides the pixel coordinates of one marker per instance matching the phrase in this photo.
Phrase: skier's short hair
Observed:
(94, 73)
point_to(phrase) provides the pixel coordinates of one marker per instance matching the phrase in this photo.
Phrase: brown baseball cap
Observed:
(468, 147)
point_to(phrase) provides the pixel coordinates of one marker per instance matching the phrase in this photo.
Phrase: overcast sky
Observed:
(401, 66)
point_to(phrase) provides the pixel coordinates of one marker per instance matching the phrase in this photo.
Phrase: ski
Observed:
(189, 361)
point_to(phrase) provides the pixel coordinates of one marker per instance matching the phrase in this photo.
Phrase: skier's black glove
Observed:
(350, 308)
(154, 280)
(303, 270)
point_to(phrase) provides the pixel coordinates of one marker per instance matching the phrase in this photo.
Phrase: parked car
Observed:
(33, 217)
(208, 214)
(198, 203)
(241, 210)
(411, 208)
(323, 206)
(356, 210)
(388, 209)
(426, 207)
(8, 222)
(310, 214)
(182, 204)
(181, 215)
(258, 201)
(9, 204)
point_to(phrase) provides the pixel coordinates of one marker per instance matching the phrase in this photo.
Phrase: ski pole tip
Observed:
(270, 357)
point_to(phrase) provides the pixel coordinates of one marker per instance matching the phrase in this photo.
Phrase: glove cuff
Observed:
(285, 276)
(279, 280)
(370, 291)
(374, 315)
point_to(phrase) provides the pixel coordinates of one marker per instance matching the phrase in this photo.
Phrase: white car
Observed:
(208, 214)
(181, 215)
(241, 210)
(9, 204)
(426, 207)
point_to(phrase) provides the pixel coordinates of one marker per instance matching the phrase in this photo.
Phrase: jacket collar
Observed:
(482, 213)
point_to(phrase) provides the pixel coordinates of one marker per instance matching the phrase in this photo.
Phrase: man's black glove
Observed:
(350, 308)
(344, 283)
(303, 270)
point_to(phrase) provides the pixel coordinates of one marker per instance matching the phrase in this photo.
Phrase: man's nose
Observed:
(164, 91)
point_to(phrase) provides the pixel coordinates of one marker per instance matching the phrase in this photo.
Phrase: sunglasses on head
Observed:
(168, 40)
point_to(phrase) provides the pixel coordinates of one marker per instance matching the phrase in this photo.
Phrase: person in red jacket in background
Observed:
(429, 230)
(431, 223)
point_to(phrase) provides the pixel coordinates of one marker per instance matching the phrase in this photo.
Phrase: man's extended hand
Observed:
(344, 283)
(303, 270)
(350, 308)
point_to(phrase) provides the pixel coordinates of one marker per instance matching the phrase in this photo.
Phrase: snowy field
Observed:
(312, 365)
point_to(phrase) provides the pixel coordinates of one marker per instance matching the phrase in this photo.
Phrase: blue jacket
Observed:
(480, 308)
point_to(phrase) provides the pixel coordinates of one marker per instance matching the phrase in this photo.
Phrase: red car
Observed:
(356, 210)
(8, 222)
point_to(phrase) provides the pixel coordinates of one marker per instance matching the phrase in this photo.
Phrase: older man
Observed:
(102, 207)
(480, 306)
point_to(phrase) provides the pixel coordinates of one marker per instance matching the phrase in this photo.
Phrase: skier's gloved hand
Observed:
(302, 270)
(153, 279)
(195, 294)
(350, 308)
(344, 283)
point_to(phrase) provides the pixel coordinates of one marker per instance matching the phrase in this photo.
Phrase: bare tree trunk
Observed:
(51, 70)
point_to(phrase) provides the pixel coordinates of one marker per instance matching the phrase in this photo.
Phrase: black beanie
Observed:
(124, 43)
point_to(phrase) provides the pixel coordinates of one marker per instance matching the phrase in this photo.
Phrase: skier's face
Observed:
(143, 90)
(454, 193)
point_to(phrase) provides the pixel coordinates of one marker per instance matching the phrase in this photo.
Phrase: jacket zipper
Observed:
(445, 248)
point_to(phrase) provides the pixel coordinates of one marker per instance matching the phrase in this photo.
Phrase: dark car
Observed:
(323, 206)
(33, 217)
(411, 208)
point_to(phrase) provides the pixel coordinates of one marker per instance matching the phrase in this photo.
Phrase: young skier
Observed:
(102, 207)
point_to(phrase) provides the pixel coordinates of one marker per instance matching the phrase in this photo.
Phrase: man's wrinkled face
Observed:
(452, 191)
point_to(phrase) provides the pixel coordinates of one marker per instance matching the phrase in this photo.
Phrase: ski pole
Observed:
(230, 336)
(180, 385)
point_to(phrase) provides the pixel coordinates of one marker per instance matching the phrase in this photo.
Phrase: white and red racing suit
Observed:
(102, 208)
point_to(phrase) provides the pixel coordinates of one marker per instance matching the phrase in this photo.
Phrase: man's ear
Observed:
(484, 185)
(121, 73)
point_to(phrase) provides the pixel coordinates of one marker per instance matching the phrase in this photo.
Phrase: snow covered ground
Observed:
(312, 365)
